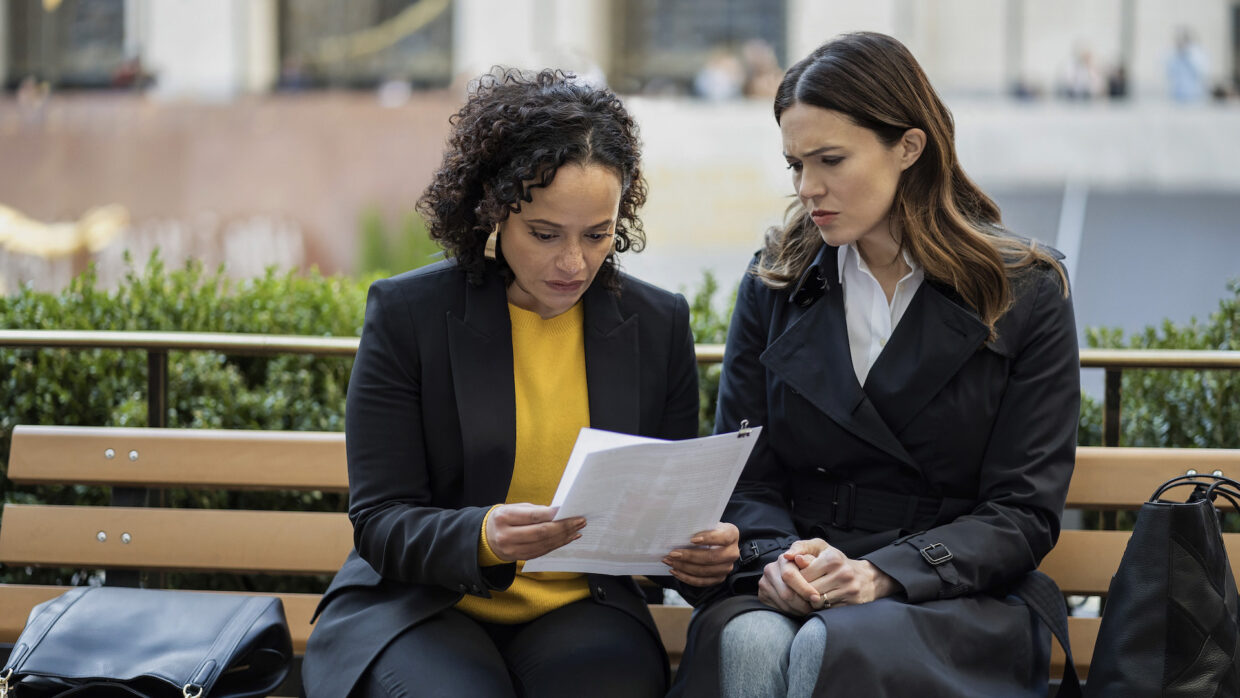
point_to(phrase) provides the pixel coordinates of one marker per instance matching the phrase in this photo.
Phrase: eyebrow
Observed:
(817, 151)
(552, 224)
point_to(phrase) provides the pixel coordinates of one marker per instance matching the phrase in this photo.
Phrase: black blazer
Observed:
(430, 434)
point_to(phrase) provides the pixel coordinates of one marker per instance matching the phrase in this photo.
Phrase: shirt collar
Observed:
(849, 250)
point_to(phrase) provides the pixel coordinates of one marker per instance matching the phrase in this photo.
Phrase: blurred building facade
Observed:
(257, 132)
(223, 48)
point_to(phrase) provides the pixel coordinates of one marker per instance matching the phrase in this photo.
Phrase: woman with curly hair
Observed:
(472, 380)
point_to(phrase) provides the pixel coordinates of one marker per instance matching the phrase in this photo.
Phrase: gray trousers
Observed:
(768, 654)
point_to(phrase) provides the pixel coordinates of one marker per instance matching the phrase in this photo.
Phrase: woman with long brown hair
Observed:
(914, 366)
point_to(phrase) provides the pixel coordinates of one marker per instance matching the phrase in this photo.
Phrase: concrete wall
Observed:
(293, 175)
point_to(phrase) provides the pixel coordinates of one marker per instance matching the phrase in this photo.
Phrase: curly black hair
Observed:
(514, 132)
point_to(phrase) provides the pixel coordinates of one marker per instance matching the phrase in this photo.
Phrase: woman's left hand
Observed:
(842, 581)
(710, 563)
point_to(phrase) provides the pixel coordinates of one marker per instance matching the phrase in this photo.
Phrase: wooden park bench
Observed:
(159, 539)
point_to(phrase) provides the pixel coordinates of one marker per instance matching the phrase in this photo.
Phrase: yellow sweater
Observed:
(549, 367)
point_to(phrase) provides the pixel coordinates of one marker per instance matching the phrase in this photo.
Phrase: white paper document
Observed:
(642, 498)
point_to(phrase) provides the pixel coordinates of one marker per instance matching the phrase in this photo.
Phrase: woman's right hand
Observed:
(526, 531)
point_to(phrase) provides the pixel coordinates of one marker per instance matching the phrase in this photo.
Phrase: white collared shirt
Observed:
(871, 319)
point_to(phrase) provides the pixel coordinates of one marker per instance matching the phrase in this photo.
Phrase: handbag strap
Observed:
(1210, 484)
(1227, 488)
(33, 634)
(1043, 596)
(38, 626)
(225, 644)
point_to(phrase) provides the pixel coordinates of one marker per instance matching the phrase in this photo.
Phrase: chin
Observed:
(834, 238)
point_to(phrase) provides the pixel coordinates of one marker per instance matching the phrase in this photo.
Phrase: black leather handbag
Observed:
(112, 641)
(1169, 627)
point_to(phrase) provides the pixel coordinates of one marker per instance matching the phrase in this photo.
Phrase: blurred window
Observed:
(662, 45)
(364, 43)
(69, 44)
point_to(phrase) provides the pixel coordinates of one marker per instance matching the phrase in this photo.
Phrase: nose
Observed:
(571, 259)
(810, 187)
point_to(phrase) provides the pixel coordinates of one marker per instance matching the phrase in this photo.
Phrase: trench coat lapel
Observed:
(480, 348)
(813, 357)
(934, 339)
(612, 361)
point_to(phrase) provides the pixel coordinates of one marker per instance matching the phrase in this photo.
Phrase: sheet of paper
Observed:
(642, 498)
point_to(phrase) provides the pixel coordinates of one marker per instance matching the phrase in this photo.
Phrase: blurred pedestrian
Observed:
(1188, 69)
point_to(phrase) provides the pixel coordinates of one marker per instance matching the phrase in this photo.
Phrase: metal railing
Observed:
(157, 345)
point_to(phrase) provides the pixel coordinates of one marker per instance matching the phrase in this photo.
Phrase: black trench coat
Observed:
(431, 435)
(948, 471)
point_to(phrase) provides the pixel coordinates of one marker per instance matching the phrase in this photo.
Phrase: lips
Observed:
(566, 286)
(822, 217)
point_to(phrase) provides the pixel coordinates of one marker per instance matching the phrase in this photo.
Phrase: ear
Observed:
(910, 147)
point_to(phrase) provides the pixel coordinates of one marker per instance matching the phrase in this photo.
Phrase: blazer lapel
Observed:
(480, 347)
(612, 361)
(934, 339)
(813, 357)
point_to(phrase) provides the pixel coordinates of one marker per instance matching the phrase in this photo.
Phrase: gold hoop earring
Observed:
(492, 242)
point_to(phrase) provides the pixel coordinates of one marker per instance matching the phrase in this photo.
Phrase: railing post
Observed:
(156, 388)
(1110, 407)
(1110, 428)
(156, 416)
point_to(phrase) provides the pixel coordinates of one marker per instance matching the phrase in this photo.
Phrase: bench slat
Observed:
(17, 600)
(1123, 478)
(673, 624)
(1082, 633)
(274, 542)
(206, 458)
(1084, 561)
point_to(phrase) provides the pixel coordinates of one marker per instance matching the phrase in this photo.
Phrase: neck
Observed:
(880, 252)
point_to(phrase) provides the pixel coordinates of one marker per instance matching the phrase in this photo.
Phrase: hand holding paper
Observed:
(711, 561)
(642, 498)
(522, 531)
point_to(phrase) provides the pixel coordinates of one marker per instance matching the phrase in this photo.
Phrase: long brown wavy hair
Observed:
(947, 224)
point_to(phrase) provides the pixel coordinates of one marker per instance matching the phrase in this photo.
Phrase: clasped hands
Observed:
(811, 575)
(526, 531)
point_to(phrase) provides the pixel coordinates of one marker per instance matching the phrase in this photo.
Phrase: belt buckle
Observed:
(843, 502)
(751, 552)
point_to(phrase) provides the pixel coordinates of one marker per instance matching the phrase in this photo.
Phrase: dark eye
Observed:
(794, 166)
(831, 162)
(542, 236)
(597, 237)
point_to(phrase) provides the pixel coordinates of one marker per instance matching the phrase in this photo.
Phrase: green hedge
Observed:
(205, 390)
(1185, 409)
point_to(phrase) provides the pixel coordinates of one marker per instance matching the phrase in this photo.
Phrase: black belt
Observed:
(844, 505)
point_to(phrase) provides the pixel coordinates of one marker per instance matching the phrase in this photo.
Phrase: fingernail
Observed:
(576, 537)
(676, 555)
(697, 541)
